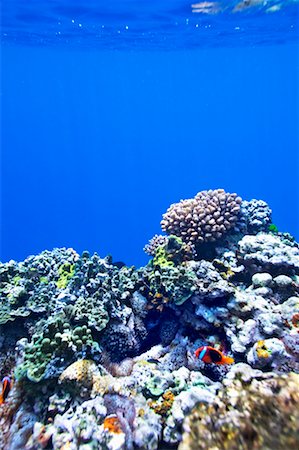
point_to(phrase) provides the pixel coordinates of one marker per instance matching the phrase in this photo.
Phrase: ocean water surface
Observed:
(111, 111)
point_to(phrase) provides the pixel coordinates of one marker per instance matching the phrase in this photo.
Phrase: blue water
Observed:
(110, 114)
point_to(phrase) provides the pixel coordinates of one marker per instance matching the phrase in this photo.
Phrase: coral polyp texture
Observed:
(96, 356)
(238, 416)
(204, 218)
(156, 241)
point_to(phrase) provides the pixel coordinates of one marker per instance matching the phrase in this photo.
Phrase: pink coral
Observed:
(204, 218)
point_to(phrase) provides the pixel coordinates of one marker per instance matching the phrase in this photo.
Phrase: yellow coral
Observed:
(66, 446)
(162, 407)
(157, 301)
(261, 350)
(168, 396)
(81, 371)
(141, 412)
(101, 384)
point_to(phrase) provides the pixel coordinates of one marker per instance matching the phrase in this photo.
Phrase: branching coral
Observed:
(204, 218)
(156, 241)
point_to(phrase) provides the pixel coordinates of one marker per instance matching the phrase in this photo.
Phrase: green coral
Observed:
(272, 228)
(44, 280)
(173, 253)
(5, 315)
(161, 258)
(156, 385)
(30, 286)
(175, 283)
(92, 311)
(16, 279)
(168, 275)
(66, 272)
(57, 339)
(13, 301)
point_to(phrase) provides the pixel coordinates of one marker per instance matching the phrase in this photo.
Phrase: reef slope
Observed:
(98, 355)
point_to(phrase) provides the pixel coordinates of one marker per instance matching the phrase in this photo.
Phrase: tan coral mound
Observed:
(81, 372)
(204, 218)
(263, 415)
(86, 378)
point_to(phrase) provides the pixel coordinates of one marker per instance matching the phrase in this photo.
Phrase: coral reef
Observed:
(103, 356)
(29, 287)
(53, 348)
(176, 284)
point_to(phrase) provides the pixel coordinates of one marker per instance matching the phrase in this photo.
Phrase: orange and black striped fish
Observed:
(6, 386)
(211, 355)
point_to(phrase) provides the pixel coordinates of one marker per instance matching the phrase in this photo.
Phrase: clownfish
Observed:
(211, 355)
(6, 386)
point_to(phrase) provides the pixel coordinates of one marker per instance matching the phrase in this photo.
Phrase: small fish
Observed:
(153, 361)
(6, 386)
(211, 355)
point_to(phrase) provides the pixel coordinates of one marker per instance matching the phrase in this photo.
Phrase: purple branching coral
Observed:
(156, 241)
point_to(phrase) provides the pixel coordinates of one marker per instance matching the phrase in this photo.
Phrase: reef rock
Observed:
(268, 253)
(259, 415)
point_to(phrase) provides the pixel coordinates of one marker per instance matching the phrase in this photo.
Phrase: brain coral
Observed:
(204, 218)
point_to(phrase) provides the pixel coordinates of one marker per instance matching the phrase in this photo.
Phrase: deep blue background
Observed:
(97, 144)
